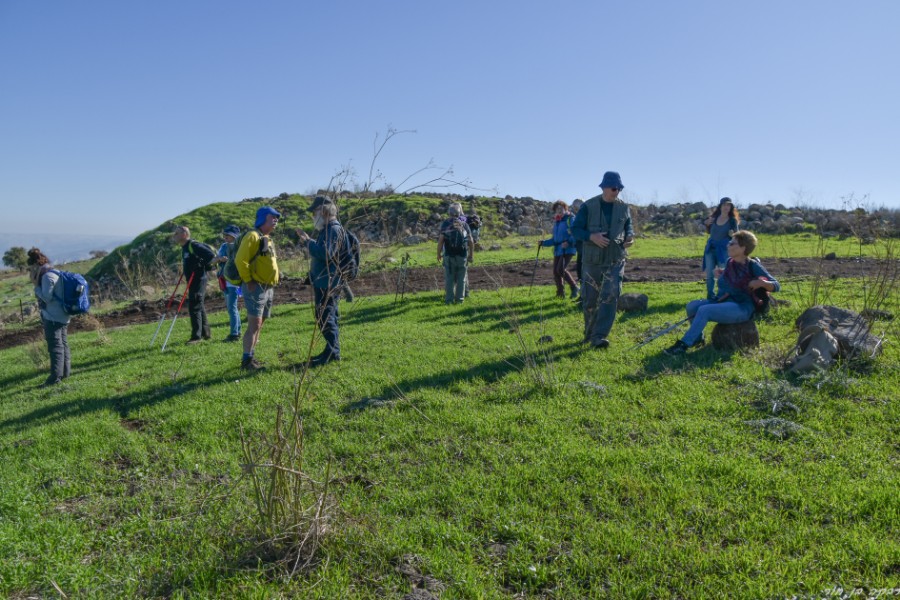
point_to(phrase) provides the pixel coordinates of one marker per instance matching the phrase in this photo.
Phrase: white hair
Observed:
(455, 209)
(329, 210)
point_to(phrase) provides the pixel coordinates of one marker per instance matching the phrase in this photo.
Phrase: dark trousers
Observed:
(600, 294)
(327, 316)
(196, 309)
(560, 273)
(58, 347)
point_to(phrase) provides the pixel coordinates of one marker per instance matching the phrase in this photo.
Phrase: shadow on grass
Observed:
(487, 372)
(657, 363)
(502, 317)
(371, 314)
(123, 405)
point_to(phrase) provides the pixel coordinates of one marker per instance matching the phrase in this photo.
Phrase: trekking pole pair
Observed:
(178, 310)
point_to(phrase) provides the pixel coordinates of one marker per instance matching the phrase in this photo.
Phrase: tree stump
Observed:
(735, 336)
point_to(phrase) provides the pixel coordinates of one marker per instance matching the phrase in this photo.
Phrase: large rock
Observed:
(816, 351)
(633, 302)
(735, 336)
(413, 240)
(850, 329)
(528, 230)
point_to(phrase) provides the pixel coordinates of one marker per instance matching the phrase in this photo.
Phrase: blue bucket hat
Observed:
(232, 230)
(264, 212)
(611, 179)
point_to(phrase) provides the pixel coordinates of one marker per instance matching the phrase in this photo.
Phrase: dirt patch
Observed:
(293, 291)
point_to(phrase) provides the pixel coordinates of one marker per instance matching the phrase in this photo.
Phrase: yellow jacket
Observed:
(264, 267)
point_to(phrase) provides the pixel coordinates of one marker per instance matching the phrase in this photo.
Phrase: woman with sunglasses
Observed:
(738, 283)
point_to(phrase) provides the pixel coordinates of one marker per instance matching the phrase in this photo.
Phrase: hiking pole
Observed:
(660, 333)
(180, 304)
(168, 306)
(534, 272)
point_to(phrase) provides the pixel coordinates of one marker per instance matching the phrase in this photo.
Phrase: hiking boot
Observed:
(251, 364)
(574, 294)
(323, 359)
(232, 338)
(193, 341)
(51, 381)
(601, 345)
(675, 349)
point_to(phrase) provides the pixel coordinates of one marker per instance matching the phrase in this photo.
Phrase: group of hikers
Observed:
(597, 232)
(254, 275)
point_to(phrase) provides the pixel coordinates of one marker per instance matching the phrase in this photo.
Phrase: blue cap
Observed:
(611, 179)
(232, 230)
(264, 212)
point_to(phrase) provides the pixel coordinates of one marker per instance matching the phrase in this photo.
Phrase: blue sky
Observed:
(116, 116)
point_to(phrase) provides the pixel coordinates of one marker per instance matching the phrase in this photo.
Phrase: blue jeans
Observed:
(454, 279)
(709, 261)
(231, 304)
(704, 311)
(600, 296)
(327, 316)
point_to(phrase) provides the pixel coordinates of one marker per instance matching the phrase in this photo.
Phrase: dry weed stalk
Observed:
(292, 508)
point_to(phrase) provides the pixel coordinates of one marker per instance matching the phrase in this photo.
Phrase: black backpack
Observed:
(456, 239)
(762, 298)
(349, 257)
(474, 222)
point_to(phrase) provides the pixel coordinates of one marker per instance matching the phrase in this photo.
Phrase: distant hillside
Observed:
(416, 217)
(61, 248)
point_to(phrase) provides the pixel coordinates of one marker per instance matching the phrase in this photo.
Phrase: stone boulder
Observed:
(816, 351)
(413, 240)
(728, 337)
(633, 302)
(850, 329)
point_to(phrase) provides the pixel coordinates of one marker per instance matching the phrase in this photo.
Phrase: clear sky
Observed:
(117, 115)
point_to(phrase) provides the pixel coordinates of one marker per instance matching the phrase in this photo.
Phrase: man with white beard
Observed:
(325, 274)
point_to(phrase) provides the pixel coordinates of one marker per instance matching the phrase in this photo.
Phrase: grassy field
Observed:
(463, 455)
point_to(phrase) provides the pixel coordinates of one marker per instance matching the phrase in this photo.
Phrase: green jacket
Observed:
(590, 219)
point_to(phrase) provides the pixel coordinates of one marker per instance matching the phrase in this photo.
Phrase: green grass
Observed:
(616, 474)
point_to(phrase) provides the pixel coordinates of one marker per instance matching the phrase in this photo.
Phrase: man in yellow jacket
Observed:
(256, 262)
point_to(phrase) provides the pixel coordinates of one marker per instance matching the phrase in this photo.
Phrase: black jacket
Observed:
(196, 259)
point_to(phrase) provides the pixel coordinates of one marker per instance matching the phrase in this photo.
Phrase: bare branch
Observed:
(376, 152)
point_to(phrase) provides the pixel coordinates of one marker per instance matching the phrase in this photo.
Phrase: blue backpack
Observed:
(75, 292)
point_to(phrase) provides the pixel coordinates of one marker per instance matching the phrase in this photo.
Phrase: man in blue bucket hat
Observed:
(603, 224)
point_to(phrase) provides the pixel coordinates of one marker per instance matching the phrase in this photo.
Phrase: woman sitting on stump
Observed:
(735, 303)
